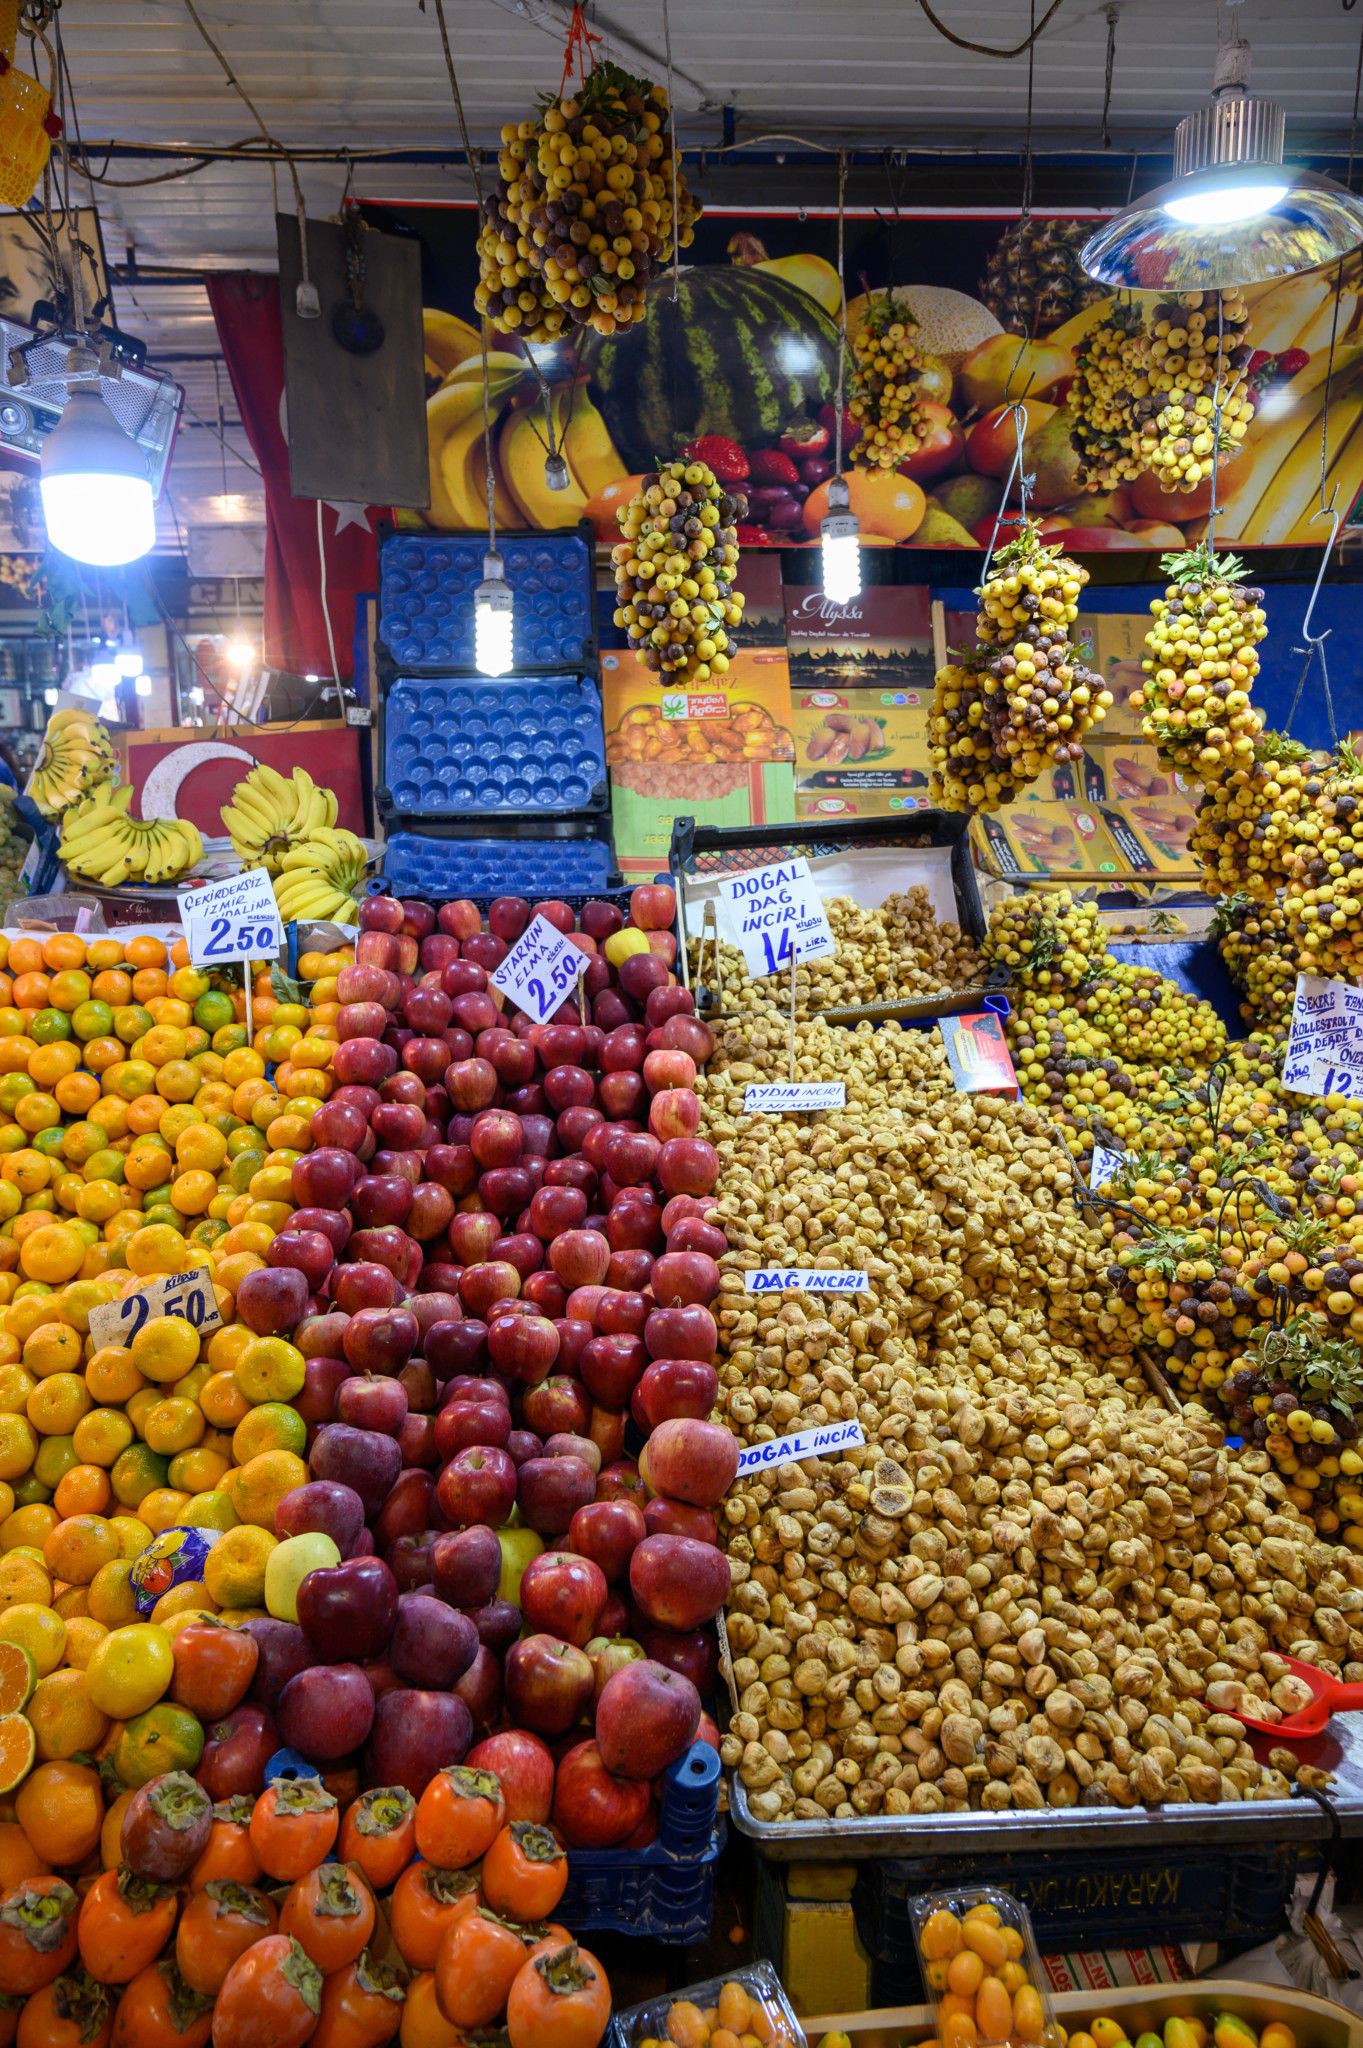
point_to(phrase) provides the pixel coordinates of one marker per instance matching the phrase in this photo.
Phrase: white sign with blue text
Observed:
(540, 971)
(803, 1280)
(829, 1442)
(776, 908)
(793, 1095)
(233, 920)
(1325, 1046)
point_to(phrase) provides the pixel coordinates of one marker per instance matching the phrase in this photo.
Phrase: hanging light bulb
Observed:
(128, 662)
(1234, 212)
(840, 530)
(241, 653)
(97, 496)
(492, 618)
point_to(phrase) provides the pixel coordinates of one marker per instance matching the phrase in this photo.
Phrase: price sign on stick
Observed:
(170, 1294)
(773, 910)
(233, 920)
(1325, 1045)
(539, 971)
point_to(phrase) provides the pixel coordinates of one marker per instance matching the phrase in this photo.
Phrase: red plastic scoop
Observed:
(1330, 1696)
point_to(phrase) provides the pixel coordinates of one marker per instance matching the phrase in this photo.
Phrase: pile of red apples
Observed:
(500, 1260)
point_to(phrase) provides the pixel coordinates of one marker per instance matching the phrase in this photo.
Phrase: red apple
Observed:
(523, 1251)
(241, 1744)
(462, 1424)
(431, 1212)
(691, 1460)
(320, 1336)
(548, 1683)
(478, 1485)
(674, 1112)
(579, 1258)
(486, 950)
(274, 1300)
(652, 906)
(338, 1125)
(456, 1347)
(367, 1402)
(324, 1507)
(635, 1222)
(523, 1768)
(460, 918)
(629, 1157)
(416, 1734)
(695, 1655)
(684, 1279)
(562, 1594)
(472, 1233)
(365, 1060)
(380, 1340)
(675, 1518)
(554, 1209)
(549, 1492)
(524, 1347)
(322, 1379)
(612, 1367)
(677, 1388)
(507, 917)
(608, 1532)
(432, 1645)
(668, 1002)
(380, 914)
(557, 1404)
(621, 1481)
(669, 1070)
(689, 1332)
(505, 1190)
(365, 1284)
(678, 1583)
(471, 1084)
(646, 1717)
(641, 973)
(482, 1285)
(594, 1808)
(347, 1610)
(310, 1251)
(495, 1139)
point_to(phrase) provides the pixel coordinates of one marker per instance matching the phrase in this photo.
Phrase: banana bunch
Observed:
(267, 815)
(318, 878)
(77, 753)
(103, 844)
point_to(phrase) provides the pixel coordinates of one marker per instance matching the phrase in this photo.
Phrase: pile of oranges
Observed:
(142, 1132)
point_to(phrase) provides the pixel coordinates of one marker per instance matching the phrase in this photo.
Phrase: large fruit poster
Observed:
(949, 318)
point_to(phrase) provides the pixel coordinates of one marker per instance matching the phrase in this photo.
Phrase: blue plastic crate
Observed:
(1123, 1898)
(666, 1890)
(426, 586)
(414, 865)
(456, 745)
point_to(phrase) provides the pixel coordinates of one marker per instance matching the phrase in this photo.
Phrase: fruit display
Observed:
(675, 567)
(748, 2006)
(883, 956)
(1202, 663)
(103, 844)
(1020, 701)
(1249, 822)
(1322, 900)
(979, 1964)
(77, 753)
(1261, 958)
(1186, 441)
(1050, 945)
(588, 203)
(1035, 282)
(886, 399)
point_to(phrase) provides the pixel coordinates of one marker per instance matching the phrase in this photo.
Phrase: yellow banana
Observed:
(454, 423)
(591, 454)
(1288, 309)
(1270, 454)
(1297, 482)
(447, 341)
(1345, 475)
(1316, 334)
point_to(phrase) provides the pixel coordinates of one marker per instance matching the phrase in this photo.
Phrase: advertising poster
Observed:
(1055, 839)
(861, 686)
(746, 355)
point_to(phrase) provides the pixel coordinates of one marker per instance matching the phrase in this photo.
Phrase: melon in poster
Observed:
(969, 313)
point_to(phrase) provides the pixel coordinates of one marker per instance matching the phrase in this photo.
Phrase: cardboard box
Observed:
(879, 640)
(1048, 839)
(726, 723)
(978, 1056)
(754, 793)
(1119, 639)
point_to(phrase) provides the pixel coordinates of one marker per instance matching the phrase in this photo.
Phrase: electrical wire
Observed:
(842, 324)
(672, 153)
(326, 609)
(984, 49)
(1113, 15)
(472, 161)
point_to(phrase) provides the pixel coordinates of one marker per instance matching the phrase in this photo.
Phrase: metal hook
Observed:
(1334, 515)
(1018, 409)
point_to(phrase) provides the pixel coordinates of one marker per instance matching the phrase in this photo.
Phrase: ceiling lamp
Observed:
(96, 489)
(1234, 213)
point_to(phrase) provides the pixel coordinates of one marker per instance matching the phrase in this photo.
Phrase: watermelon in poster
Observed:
(970, 311)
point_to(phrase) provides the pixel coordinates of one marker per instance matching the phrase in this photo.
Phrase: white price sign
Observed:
(828, 1442)
(1106, 1165)
(1325, 1046)
(803, 1280)
(539, 971)
(233, 920)
(773, 909)
(170, 1294)
(795, 1095)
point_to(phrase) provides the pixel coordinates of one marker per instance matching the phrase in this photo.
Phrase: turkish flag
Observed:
(308, 541)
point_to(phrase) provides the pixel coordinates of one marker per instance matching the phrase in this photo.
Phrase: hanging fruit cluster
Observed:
(885, 399)
(1201, 664)
(1194, 346)
(674, 570)
(1108, 399)
(1247, 823)
(583, 214)
(1027, 703)
(1183, 444)
(1323, 899)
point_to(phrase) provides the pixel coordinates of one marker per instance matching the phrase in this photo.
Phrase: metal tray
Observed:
(1340, 1750)
(1144, 2007)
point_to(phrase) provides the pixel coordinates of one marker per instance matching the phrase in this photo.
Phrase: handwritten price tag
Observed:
(773, 908)
(1105, 1165)
(803, 1280)
(540, 970)
(795, 1095)
(170, 1294)
(828, 1442)
(1325, 1046)
(233, 920)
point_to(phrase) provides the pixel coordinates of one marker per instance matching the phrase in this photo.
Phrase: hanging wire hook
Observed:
(1315, 642)
(1018, 409)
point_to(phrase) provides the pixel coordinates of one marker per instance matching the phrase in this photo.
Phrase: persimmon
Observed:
(426, 1902)
(478, 1961)
(37, 1933)
(125, 1922)
(229, 1857)
(560, 1999)
(72, 2012)
(214, 1665)
(159, 2010)
(220, 1923)
(378, 1832)
(362, 2006)
(166, 1828)
(424, 2025)
(525, 1872)
(459, 1816)
(270, 1998)
(293, 1825)
(330, 1916)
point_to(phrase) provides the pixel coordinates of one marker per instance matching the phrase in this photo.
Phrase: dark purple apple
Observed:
(369, 1464)
(498, 1624)
(322, 1380)
(433, 1645)
(416, 1734)
(273, 1300)
(326, 1712)
(695, 1655)
(456, 1347)
(380, 1340)
(409, 1560)
(348, 1611)
(322, 1506)
(284, 1652)
(407, 1510)
(549, 1492)
(480, 1689)
(522, 1445)
(466, 1565)
(237, 1751)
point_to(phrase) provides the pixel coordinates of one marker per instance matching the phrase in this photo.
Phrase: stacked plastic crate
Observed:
(491, 786)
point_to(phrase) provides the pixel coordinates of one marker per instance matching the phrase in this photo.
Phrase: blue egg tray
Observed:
(426, 586)
(462, 744)
(537, 868)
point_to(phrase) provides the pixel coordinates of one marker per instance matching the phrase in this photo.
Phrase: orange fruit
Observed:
(60, 1808)
(64, 1717)
(53, 1253)
(83, 1491)
(18, 1857)
(145, 951)
(63, 949)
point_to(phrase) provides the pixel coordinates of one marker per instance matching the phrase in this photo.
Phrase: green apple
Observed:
(289, 1564)
(518, 1547)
